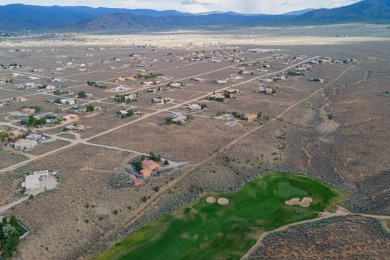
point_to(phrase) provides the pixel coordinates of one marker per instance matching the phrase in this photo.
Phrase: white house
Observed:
(194, 107)
(68, 101)
(266, 80)
(120, 88)
(32, 182)
(41, 174)
(24, 144)
(176, 85)
(220, 82)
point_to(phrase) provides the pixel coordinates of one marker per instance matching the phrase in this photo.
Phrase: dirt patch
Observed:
(305, 202)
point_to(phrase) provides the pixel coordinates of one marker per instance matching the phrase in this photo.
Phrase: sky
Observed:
(198, 6)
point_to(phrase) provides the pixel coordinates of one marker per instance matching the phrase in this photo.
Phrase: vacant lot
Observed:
(338, 237)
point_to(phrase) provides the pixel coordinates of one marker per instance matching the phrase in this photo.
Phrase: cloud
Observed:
(193, 8)
(202, 2)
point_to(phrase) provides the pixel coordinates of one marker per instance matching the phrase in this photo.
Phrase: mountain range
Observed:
(18, 16)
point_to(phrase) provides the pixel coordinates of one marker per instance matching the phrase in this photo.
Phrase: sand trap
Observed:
(211, 200)
(296, 201)
(223, 201)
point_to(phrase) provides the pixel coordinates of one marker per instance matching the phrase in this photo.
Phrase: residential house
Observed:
(123, 112)
(148, 167)
(194, 107)
(148, 83)
(301, 69)
(70, 117)
(217, 96)
(42, 174)
(75, 128)
(120, 88)
(29, 85)
(279, 78)
(261, 89)
(235, 77)
(68, 101)
(251, 117)
(266, 80)
(28, 111)
(246, 72)
(20, 99)
(32, 181)
(176, 85)
(198, 79)
(25, 144)
(232, 91)
(220, 82)
(160, 100)
(178, 118)
(57, 80)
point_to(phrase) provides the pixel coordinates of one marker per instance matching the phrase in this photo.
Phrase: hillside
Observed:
(374, 11)
(17, 16)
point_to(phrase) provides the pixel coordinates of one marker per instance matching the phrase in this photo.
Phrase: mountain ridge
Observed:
(18, 16)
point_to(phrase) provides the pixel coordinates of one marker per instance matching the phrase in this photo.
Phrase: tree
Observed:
(9, 230)
(90, 108)
(166, 162)
(137, 165)
(152, 156)
(82, 94)
(13, 221)
(10, 245)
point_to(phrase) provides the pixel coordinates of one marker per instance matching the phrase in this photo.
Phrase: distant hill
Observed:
(129, 21)
(18, 16)
(373, 11)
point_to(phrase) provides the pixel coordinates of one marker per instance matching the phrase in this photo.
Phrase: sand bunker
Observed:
(296, 201)
(223, 201)
(211, 200)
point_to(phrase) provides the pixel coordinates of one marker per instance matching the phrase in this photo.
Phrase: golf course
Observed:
(209, 230)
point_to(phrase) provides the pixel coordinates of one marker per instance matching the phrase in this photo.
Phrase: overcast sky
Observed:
(196, 6)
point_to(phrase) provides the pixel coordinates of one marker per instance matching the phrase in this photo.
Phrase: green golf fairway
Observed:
(213, 231)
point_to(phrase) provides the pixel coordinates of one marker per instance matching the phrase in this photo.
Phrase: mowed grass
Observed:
(213, 231)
